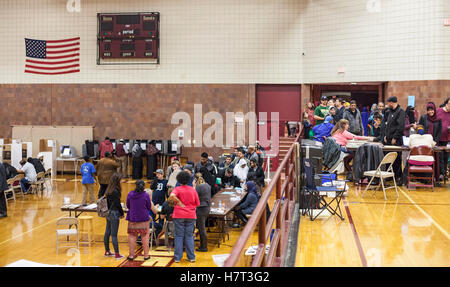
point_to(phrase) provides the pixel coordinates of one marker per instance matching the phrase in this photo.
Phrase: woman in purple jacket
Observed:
(139, 206)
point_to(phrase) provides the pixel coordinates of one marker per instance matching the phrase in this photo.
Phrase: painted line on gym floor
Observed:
(426, 214)
(19, 235)
(362, 256)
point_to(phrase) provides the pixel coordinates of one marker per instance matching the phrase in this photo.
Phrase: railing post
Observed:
(262, 234)
(279, 220)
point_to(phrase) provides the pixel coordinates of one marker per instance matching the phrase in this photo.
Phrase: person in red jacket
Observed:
(105, 146)
(122, 155)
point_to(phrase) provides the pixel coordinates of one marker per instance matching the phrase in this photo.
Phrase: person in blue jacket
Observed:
(322, 131)
(250, 202)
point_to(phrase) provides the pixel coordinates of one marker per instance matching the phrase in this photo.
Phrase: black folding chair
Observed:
(317, 196)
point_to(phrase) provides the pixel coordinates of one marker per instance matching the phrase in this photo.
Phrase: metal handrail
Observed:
(281, 214)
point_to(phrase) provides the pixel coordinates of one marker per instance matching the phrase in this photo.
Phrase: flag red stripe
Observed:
(57, 73)
(63, 51)
(62, 57)
(63, 46)
(51, 68)
(62, 41)
(51, 63)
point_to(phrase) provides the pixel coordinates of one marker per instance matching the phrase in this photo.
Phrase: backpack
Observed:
(102, 207)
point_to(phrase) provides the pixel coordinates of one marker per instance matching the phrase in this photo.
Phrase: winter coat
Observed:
(105, 146)
(322, 130)
(393, 126)
(355, 122)
(331, 152)
(367, 157)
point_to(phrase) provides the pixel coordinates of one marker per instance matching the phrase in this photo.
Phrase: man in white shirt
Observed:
(30, 175)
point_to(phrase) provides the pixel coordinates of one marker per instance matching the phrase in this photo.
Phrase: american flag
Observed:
(52, 57)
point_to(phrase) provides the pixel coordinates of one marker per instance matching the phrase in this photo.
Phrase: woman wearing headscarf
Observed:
(431, 124)
(241, 170)
(373, 109)
(410, 121)
(249, 204)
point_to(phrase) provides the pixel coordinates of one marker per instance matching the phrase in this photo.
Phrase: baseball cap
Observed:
(392, 99)
(323, 98)
(159, 171)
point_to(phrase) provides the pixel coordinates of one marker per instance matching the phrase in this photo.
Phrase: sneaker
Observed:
(108, 254)
(118, 256)
(191, 260)
(177, 261)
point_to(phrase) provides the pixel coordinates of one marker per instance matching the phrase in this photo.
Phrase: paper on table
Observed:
(228, 192)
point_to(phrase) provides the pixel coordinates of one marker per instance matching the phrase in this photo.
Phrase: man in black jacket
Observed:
(208, 171)
(230, 180)
(3, 187)
(37, 164)
(255, 173)
(394, 125)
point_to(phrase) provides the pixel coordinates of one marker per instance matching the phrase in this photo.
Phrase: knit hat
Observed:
(420, 130)
(346, 104)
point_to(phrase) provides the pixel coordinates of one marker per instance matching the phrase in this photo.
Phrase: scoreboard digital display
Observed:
(128, 35)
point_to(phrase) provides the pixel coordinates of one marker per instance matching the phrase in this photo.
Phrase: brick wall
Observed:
(129, 111)
(424, 91)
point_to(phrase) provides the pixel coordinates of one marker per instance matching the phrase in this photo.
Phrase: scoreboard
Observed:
(128, 36)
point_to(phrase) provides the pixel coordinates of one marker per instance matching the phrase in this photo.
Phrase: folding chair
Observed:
(48, 175)
(10, 189)
(378, 173)
(421, 161)
(319, 194)
(16, 187)
(67, 232)
(152, 231)
(169, 231)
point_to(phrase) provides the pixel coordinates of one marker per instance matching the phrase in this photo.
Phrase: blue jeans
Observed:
(112, 227)
(24, 184)
(184, 235)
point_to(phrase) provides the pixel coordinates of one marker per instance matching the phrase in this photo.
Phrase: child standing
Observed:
(87, 174)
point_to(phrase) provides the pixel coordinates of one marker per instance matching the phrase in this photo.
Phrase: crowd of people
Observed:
(388, 124)
(30, 167)
(182, 194)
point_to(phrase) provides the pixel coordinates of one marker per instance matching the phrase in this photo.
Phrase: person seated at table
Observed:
(38, 166)
(241, 171)
(249, 204)
(229, 180)
(421, 139)
(256, 174)
(227, 163)
(204, 194)
(323, 130)
(341, 135)
(30, 175)
(184, 216)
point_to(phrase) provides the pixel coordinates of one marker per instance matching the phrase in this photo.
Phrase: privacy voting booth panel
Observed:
(64, 135)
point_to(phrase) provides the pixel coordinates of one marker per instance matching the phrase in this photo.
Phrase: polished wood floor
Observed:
(29, 232)
(412, 230)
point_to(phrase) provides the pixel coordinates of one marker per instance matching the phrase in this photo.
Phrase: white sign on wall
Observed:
(73, 6)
